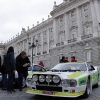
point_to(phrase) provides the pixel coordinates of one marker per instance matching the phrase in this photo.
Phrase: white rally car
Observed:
(64, 80)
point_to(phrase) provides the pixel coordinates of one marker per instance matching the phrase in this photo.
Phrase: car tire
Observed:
(88, 90)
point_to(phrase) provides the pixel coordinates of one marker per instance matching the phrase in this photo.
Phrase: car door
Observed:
(93, 74)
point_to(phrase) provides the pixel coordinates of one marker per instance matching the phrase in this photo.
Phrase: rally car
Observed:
(64, 80)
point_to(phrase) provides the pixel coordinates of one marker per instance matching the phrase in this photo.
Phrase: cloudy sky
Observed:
(15, 14)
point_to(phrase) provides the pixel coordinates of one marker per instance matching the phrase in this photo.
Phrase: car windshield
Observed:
(69, 67)
(36, 68)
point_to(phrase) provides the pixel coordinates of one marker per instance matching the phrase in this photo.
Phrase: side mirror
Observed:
(91, 69)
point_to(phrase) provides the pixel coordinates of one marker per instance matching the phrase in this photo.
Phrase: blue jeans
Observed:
(4, 80)
(21, 75)
(10, 81)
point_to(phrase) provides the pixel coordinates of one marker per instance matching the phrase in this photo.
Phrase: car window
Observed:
(38, 68)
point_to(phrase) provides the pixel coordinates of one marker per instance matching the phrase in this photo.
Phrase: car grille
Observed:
(49, 88)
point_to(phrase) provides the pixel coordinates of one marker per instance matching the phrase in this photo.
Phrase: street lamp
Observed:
(33, 45)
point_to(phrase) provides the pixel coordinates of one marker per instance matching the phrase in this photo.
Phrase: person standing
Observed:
(22, 64)
(0, 61)
(41, 64)
(4, 74)
(73, 59)
(66, 59)
(62, 60)
(10, 67)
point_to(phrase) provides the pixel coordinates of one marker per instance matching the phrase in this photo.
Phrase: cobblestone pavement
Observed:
(24, 96)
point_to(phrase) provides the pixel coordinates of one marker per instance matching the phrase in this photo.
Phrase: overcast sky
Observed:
(15, 14)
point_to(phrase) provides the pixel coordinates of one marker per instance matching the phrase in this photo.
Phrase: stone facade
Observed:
(73, 29)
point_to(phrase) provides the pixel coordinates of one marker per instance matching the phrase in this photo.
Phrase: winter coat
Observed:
(41, 64)
(9, 62)
(20, 62)
(74, 60)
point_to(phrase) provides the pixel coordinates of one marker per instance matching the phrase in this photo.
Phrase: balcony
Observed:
(38, 53)
(59, 44)
(44, 52)
(33, 54)
(86, 36)
(72, 40)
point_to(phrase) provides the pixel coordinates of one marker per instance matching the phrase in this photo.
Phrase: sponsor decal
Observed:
(82, 81)
(75, 75)
(48, 92)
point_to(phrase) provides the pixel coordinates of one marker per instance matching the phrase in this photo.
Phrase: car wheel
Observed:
(24, 82)
(88, 90)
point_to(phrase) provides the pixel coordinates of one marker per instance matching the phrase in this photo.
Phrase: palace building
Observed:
(73, 29)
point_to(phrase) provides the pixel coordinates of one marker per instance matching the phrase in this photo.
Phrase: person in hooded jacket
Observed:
(10, 67)
(22, 64)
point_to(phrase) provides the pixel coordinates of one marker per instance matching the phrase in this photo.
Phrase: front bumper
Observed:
(56, 94)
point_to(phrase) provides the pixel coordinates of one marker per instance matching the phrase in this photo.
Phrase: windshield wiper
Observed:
(75, 70)
(54, 70)
(65, 70)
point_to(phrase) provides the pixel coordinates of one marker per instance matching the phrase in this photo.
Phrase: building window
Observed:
(72, 14)
(61, 19)
(85, 7)
(61, 37)
(88, 55)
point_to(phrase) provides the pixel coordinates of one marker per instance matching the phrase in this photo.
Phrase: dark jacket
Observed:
(3, 68)
(20, 62)
(62, 61)
(9, 62)
(0, 60)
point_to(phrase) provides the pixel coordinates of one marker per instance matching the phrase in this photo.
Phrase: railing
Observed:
(86, 36)
(33, 54)
(44, 52)
(38, 53)
(59, 44)
(72, 40)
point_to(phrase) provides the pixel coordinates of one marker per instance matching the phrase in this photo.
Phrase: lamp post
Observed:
(33, 45)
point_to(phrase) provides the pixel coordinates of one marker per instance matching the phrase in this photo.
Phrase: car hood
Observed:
(62, 75)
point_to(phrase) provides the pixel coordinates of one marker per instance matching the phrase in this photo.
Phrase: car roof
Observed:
(73, 63)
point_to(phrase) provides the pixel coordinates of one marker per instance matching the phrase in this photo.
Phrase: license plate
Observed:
(48, 92)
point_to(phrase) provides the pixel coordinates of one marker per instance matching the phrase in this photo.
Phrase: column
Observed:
(94, 18)
(28, 53)
(79, 22)
(96, 5)
(23, 45)
(42, 42)
(55, 31)
(66, 26)
(48, 40)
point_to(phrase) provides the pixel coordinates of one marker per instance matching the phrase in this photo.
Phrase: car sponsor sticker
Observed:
(48, 92)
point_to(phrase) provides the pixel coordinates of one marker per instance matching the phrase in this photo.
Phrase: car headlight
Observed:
(49, 78)
(35, 78)
(56, 79)
(69, 83)
(29, 80)
(41, 78)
